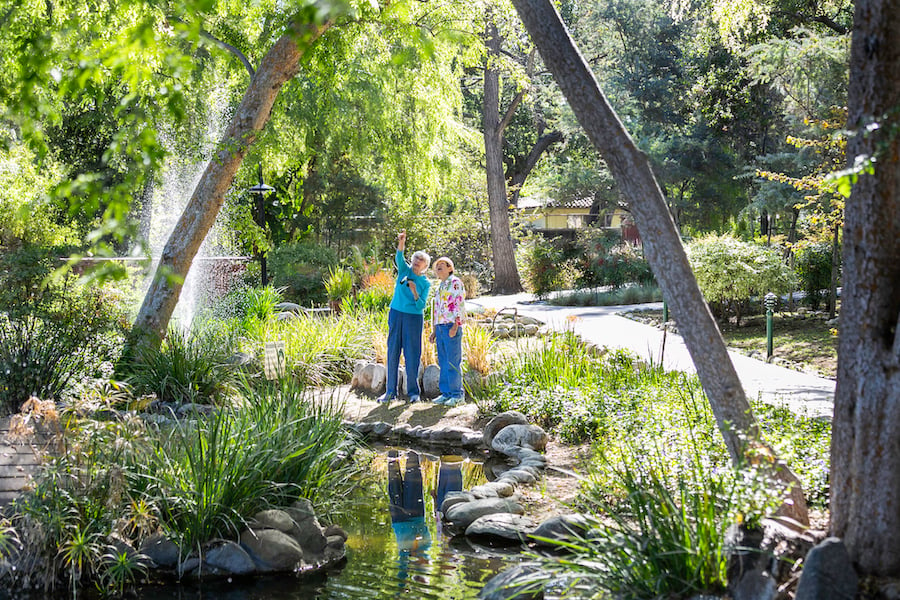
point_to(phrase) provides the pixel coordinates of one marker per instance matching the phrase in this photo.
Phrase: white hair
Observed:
(421, 254)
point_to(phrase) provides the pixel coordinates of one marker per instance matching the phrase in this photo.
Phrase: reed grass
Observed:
(478, 348)
(660, 524)
(188, 367)
(207, 476)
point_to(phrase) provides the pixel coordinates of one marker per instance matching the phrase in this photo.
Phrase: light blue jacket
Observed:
(403, 299)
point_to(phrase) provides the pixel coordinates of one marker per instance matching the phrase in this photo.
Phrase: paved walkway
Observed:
(801, 392)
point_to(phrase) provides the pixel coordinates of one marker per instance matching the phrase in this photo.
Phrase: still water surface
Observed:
(384, 560)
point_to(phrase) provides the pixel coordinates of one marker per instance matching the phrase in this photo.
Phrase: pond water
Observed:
(392, 551)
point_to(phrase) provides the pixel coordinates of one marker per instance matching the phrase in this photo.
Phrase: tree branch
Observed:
(510, 112)
(230, 48)
(225, 45)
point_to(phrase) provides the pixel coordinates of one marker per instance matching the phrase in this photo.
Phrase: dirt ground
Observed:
(549, 496)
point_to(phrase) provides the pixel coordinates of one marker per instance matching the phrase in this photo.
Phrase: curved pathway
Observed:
(801, 392)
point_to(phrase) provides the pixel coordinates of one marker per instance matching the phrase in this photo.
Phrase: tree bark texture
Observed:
(662, 244)
(506, 275)
(278, 66)
(865, 445)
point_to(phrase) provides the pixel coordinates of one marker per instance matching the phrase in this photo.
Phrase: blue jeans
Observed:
(404, 333)
(449, 355)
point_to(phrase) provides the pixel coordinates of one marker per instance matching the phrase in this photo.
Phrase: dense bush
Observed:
(730, 272)
(540, 265)
(813, 266)
(300, 269)
(606, 260)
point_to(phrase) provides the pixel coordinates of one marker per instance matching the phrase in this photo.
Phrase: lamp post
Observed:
(259, 216)
(770, 301)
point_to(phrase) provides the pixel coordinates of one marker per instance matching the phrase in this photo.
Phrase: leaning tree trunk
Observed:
(662, 244)
(865, 443)
(278, 66)
(506, 275)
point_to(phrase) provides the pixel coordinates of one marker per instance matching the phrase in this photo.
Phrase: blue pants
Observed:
(449, 355)
(404, 333)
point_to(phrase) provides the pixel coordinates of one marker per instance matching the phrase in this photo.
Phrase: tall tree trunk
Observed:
(278, 66)
(506, 275)
(662, 244)
(865, 443)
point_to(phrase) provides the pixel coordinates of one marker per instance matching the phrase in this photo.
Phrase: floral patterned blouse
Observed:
(450, 302)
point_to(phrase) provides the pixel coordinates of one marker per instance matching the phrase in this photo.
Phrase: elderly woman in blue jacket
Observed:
(405, 320)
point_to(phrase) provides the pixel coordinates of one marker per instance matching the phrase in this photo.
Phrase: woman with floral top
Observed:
(449, 316)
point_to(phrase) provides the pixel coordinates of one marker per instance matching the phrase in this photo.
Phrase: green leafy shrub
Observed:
(194, 480)
(540, 264)
(730, 272)
(813, 267)
(299, 268)
(36, 358)
(605, 260)
(338, 284)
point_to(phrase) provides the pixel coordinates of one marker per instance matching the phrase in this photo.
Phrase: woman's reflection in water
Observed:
(407, 506)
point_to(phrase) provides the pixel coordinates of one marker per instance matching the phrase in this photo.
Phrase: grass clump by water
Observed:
(188, 367)
(193, 480)
(659, 525)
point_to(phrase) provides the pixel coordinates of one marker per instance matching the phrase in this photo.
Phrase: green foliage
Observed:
(661, 525)
(730, 272)
(319, 350)
(813, 265)
(299, 268)
(36, 358)
(605, 260)
(259, 302)
(540, 264)
(207, 477)
(189, 367)
(194, 480)
(338, 284)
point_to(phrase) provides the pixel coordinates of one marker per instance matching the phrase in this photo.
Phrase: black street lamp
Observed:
(260, 190)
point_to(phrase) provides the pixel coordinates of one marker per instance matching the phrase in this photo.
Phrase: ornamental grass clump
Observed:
(193, 480)
(322, 350)
(659, 525)
(188, 367)
(207, 476)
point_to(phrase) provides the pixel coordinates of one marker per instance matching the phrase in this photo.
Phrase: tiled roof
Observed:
(534, 202)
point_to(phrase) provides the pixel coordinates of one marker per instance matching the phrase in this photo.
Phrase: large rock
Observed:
(464, 514)
(522, 582)
(827, 573)
(369, 377)
(430, 377)
(161, 550)
(502, 526)
(520, 436)
(231, 558)
(287, 307)
(496, 424)
(273, 519)
(454, 498)
(272, 550)
(561, 528)
(308, 533)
